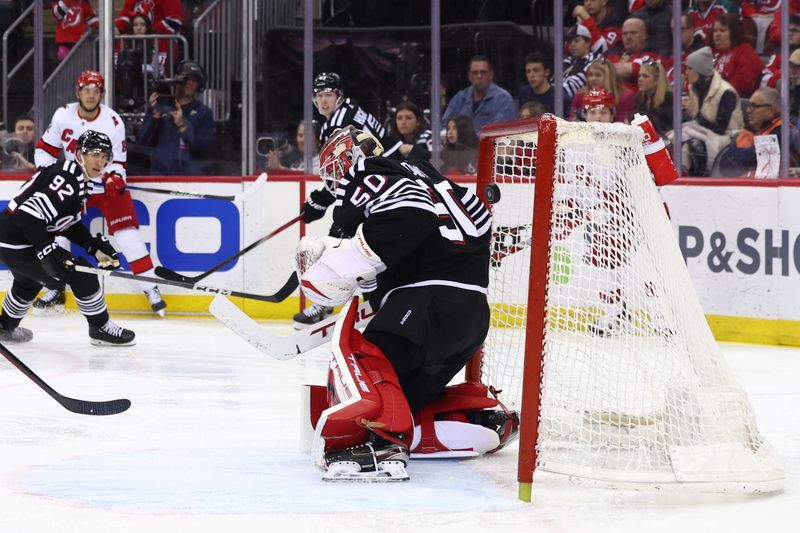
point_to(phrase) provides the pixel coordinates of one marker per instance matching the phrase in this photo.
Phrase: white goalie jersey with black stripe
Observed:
(427, 229)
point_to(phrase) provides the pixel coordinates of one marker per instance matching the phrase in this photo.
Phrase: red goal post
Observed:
(597, 337)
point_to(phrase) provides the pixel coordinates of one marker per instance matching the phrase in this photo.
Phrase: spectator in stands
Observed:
(19, 148)
(460, 154)
(601, 74)
(713, 104)
(579, 43)
(483, 101)
(531, 110)
(761, 13)
(73, 19)
(775, 32)
(691, 41)
(293, 158)
(409, 126)
(794, 87)
(764, 118)
(655, 97)
(703, 14)
(603, 21)
(634, 43)
(165, 16)
(735, 59)
(537, 71)
(181, 130)
(657, 15)
(771, 75)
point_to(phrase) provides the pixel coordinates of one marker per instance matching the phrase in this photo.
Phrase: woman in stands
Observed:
(460, 154)
(655, 97)
(601, 74)
(715, 109)
(409, 125)
(734, 58)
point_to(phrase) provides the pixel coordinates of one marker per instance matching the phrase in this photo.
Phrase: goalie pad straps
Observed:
(364, 394)
(452, 406)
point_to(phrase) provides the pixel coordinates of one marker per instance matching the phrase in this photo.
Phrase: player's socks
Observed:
(111, 334)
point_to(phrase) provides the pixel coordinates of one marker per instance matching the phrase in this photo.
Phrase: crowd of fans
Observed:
(730, 65)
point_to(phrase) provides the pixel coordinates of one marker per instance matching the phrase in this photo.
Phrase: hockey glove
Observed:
(114, 183)
(106, 255)
(57, 262)
(314, 208)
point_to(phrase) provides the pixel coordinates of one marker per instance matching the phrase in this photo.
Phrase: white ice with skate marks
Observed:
(210, 443)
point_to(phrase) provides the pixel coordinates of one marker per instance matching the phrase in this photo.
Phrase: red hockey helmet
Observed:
(597, 99)
(344, 148)
(90, 77)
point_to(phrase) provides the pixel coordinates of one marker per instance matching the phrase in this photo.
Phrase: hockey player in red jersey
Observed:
(109, 193)
(419, 245)
(51, 203)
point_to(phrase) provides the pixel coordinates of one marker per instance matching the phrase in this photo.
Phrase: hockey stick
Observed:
(281, 348)
(81, 407)
(239, 197)
(171, 275)
(283, 293)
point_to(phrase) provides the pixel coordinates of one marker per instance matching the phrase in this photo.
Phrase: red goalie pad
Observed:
(363, 391)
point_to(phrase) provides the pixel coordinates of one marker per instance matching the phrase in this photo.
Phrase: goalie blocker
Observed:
(362, 424)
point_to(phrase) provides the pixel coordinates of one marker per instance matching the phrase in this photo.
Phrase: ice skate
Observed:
(505, 424)
(610, 325)
(157, 303)
(311, 315)
(378, 459)
(16, 335)
(51, 300)
(111, 334)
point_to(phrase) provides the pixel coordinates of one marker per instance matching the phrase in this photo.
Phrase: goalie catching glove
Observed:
(106, 255)
(343, 266)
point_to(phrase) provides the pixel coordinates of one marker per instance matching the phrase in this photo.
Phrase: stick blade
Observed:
(171, 275)
(236, 320)
(85, 407)
(250, 191)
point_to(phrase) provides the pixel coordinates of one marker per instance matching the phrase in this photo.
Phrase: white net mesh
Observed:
(634, 388)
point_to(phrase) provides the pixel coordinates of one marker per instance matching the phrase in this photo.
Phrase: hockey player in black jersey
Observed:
(50, 204)
(419, 244)
(339, 112)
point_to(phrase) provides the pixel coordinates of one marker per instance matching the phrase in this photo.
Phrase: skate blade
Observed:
(162, 313)
(388, 471)
(95, 342)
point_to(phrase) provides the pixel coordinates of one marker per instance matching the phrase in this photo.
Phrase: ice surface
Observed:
(212, 443)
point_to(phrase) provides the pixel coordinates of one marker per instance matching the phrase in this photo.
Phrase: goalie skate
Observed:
(377, 460)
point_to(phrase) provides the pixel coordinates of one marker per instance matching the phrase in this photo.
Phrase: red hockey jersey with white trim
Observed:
(65, 128)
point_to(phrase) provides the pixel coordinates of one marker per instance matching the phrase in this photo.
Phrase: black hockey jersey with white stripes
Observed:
(426, 229)
(352, 114)
(50, 203)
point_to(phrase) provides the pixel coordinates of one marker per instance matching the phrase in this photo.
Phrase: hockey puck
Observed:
(492, 193)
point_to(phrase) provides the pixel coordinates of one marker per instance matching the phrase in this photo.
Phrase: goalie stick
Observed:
(81, 407)
(239, 197)
(283, 293)
(278, 347)
(168, 274)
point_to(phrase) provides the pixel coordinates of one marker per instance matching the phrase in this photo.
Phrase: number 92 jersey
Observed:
(49, 203)
(426, 229)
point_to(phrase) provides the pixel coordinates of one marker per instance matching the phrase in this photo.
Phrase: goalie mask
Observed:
(345, 147)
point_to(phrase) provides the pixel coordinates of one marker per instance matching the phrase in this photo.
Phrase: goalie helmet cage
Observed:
(597, 336)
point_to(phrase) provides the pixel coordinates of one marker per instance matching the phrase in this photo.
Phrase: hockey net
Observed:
(597, 334)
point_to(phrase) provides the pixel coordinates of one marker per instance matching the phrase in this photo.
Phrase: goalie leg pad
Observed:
(465, 422)
(364, 392)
